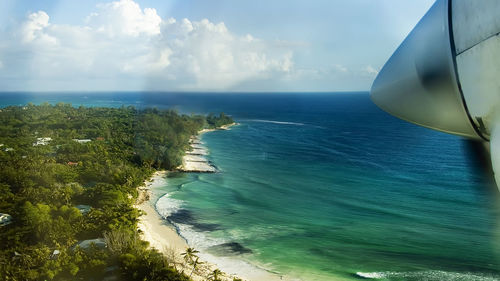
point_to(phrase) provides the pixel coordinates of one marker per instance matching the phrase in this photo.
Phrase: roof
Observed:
(5, 219)
(83, 208)
(42, 141)
(82, 140)
(98, 242)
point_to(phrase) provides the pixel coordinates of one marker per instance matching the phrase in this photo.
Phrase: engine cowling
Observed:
(446, 73)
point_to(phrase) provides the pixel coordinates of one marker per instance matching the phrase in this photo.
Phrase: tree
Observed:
(195, 264)
(41, 184)
(189, 255)
(39, 219)
(120, 241)
(215, 275)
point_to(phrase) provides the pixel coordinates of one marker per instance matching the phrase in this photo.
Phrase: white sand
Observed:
(156, 231)
(197, 146)
(194, 160)
(194, 166)
(197, 151)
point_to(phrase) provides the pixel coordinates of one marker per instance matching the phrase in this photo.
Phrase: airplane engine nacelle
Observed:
(446, 73)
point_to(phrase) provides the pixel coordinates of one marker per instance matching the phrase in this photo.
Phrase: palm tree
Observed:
(190, 255)
(196, 263)
(215, 275)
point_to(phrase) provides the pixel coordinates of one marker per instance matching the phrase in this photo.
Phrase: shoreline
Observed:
(221, 128)
(163, 236)
(194, 160)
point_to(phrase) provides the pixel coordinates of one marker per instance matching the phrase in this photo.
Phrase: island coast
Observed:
(164, 237)
(195, 158)
(70, 178)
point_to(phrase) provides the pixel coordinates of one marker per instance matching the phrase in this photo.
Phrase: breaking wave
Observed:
(277, 122)
(429, 275)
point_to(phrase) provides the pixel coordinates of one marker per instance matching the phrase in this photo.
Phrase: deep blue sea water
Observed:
(326, 187)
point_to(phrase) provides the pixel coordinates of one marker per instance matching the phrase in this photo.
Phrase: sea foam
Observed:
(277, 122)
(370, 275)
(428, 275)
(167, 206)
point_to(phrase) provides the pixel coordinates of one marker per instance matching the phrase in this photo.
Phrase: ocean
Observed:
(325, 186)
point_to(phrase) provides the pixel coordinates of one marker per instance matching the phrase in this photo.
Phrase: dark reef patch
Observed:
(186, 217)
(230, 248)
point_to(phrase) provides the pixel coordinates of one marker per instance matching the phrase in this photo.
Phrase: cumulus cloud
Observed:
(125, 18)
(122, 43)
(33, 28)
(215, 57)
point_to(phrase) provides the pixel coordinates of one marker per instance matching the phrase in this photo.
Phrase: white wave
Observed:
(371, 275)
(244, 268)
(429, 275)
(277, 122)
(166, 206)
(231, 265)
(196, 239)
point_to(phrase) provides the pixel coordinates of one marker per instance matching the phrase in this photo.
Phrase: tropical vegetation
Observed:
(69, 178)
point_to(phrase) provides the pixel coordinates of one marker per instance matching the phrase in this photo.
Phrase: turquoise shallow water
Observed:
(328, 187)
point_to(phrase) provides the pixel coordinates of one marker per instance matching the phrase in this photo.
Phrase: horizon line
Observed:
(180, 92)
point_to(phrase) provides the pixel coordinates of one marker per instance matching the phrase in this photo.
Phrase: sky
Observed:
(199, 45)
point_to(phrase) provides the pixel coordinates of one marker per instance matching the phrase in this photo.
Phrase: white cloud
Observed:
(125, 45)
(341, 68)
(370, 70)
(35, 23)
(125, 18)
(33, 29)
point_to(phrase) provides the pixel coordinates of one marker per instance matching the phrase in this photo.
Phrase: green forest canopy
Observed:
(56, 157)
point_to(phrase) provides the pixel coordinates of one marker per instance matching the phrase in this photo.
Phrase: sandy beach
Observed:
(163, 236)
(156, 230)
(195, 160)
